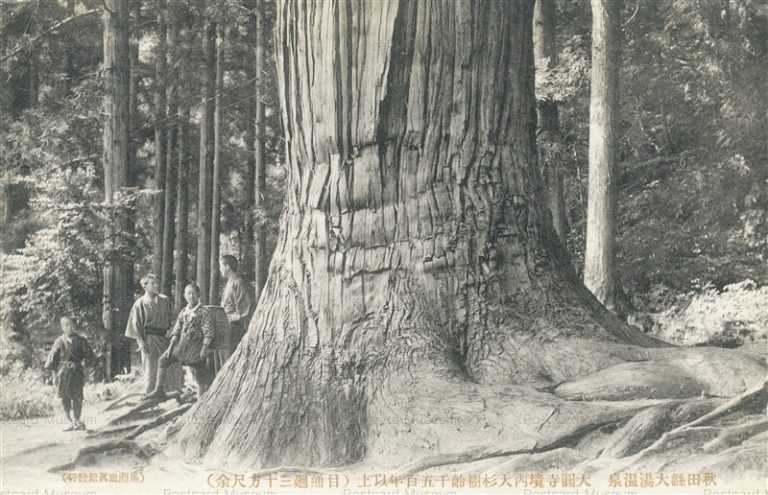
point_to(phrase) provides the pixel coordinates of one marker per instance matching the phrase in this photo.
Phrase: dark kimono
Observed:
(68, 355)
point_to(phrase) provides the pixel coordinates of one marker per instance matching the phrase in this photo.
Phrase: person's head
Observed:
(192, 294)
(67, 325)
(228, 265)
(149, 284)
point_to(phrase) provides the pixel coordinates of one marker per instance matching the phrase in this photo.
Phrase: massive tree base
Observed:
(283, 402)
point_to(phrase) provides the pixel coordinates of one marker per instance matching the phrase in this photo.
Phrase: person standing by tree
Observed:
(69, 353)
(190, 345)
(235, 299)
(149, 323)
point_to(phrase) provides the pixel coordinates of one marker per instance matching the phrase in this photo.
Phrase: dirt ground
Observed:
(626, 458)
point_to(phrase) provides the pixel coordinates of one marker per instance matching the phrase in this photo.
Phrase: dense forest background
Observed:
(692, 215)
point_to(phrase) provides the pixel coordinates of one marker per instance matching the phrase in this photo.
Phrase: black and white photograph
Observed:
(383, 247)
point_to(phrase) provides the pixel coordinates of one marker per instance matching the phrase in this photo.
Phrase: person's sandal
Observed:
(80, 426)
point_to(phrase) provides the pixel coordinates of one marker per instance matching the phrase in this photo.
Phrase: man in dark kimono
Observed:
(70, 352)
(149, 323)
(235, 299)
(191, 341)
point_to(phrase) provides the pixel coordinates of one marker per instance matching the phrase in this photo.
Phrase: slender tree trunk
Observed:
(252, 248)
(600, 251)
(172, 165)
(133, 102)
(549, 139)
(34, 77)
(246, 229)
(133, 168)
(181, 243)
(414, 278)
(117, 283)
(161, 68)
(213, 287)
(69, 66)
(182, 212)
(259, 165)
(204, 200)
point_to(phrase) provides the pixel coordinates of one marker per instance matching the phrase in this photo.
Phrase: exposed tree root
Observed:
(87, 452)
(111, 431)
(735, 435)
(160, 420)
(757, 394)
(487, 452)
(751, 397)
(147, 404)
(649, 424)
(118, 402)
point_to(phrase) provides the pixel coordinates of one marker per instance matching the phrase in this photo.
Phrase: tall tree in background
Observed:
(204, 195)
(172, 160)
(69, 66)
(117, 292)
(252, 247)
(161, 68)
(181, 248)
(213, 285)
(258, 180)
(415, 275)
(600, 250)
(182, 211)
(549, 139)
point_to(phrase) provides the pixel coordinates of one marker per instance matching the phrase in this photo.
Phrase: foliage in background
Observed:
(693, 196)
(26, 396)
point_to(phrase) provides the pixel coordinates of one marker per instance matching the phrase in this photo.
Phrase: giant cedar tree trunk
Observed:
(117, 292)
(415, 276)
(600, 250)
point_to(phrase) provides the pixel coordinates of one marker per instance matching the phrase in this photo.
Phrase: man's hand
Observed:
(142, 346)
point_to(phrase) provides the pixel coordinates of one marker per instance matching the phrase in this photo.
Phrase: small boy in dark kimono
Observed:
(69, 353)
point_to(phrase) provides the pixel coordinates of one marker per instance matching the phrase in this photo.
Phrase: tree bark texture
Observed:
(117, 293)
(415, 277)
(213, 288)
(161, 68)
(600, 250)
(548, 134)
(204, 194)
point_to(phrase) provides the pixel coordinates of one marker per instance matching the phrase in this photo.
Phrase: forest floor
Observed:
(619, 457)
(630, 445)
